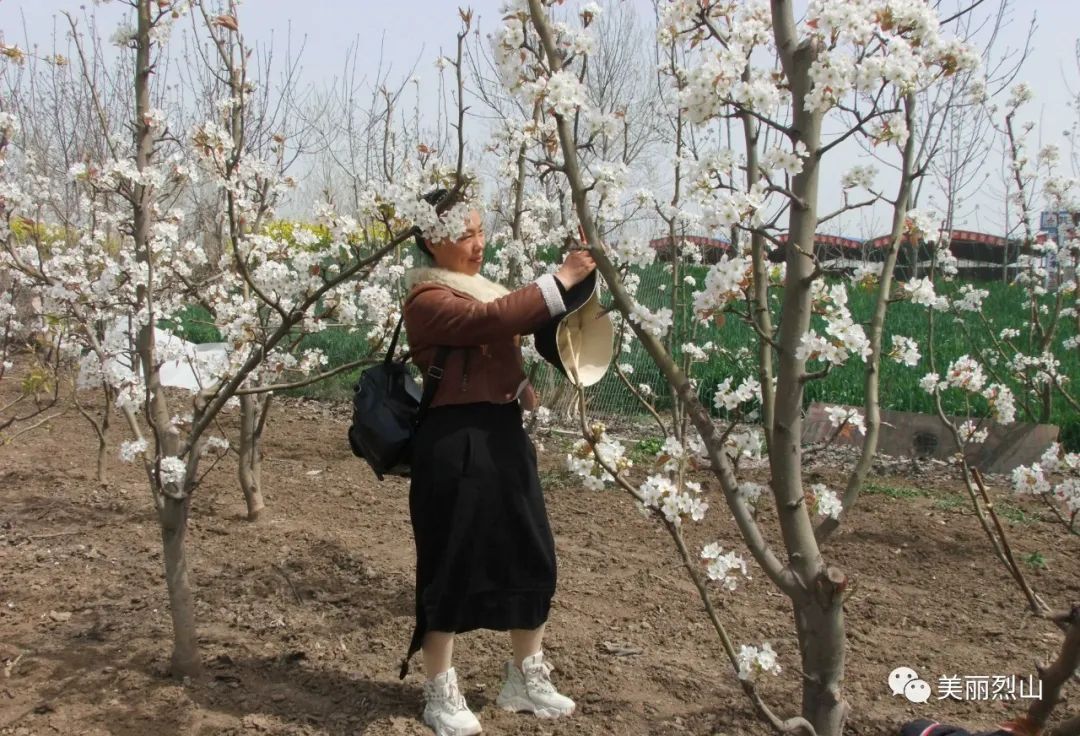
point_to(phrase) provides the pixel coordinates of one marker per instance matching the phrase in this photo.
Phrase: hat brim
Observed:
(580, 343)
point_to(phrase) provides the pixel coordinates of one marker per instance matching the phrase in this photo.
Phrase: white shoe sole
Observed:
(449, 731)
(519, 704)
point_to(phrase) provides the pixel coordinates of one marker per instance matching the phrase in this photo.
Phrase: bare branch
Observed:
(265, 388)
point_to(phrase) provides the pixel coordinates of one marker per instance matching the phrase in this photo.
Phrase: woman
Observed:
(485, 553)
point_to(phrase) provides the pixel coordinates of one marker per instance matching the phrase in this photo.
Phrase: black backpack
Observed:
(388, 406)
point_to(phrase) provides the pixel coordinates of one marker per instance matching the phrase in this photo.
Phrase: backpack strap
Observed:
(431, 381)
(434, 372)
(393, 341)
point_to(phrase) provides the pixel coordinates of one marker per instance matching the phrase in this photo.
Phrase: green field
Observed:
(899, 384)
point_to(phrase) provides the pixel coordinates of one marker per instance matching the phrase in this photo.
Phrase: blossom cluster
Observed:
(672, 498)
(841, 417)
(966, 375)
(753, 659)
(721, 566)
(727, 398)
(655, 322)
(843, 336)
(1056, 476)
(824, 501)
(583, 460)
(861, 45)
(725, 282)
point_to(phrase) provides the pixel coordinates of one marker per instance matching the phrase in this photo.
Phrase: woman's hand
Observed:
(575, 267)
(530, 400)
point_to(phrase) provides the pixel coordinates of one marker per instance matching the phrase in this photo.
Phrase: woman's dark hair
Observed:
(433, 198)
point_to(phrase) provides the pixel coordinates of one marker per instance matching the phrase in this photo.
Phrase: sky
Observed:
(411, 34)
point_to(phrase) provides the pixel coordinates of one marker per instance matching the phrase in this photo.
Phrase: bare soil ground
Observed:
(303, 619)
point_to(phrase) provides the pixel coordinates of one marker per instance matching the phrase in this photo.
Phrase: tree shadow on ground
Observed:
(251, 691)
(291, 689)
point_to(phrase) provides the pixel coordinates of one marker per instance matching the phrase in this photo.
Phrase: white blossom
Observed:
(655, 323)
(1030, 480)
(173, 471)
(971, 299)
(971, 433)
(931, 383)
(721, 566)
(840, 416)
(859, 176)
(215, 444)
(921, 291)
(754, 659)
(1002, 403)
(965, 373)
(131, 449)
(729, 399)
(1068, 493)
(826, 502)
(750, 492)
(1051, 458)
(905, 351)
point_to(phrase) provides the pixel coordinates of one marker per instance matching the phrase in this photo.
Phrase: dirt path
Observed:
(303, 619)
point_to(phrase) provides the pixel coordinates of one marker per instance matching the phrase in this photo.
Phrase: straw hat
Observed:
(580, 342)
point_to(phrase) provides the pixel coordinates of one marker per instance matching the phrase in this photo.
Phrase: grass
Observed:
(341, 346)
(1013, 513)
(895, 492)
(845, 384)
(1004, 509)
(951, 502)
(947, 502)
(644, 452)
(556, 478)
(194, 324)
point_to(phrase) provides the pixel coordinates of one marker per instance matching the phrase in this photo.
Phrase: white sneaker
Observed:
(529, 689)
(445, 709)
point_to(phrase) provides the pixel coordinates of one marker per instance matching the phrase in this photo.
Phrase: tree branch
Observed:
(262, 389)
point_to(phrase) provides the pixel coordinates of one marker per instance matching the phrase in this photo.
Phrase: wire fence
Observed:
(633, 374)
(732, 355)
(734, 346)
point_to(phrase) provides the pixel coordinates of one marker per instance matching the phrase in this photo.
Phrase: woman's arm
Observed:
(436, 315)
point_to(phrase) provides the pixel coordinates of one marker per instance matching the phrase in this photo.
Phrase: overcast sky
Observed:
(409, 32)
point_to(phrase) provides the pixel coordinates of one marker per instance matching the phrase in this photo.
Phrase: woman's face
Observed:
(466, 254)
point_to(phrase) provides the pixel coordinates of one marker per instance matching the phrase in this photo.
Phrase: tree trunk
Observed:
(102, 454)
(173, 511)
(1057, 674)
(250, 460)
(760, 309)
(1071, 727)
(819, 622)
(818, 613)
(872, 375)
(103, 438)
(185, 655)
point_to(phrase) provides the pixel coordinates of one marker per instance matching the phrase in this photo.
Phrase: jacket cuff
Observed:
(549, 287)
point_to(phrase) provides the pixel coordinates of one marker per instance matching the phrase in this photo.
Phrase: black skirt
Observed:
(485, 556)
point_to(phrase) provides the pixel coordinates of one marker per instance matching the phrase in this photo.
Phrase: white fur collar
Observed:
(477, 286)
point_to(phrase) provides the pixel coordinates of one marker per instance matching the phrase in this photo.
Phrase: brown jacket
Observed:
(483, 322)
